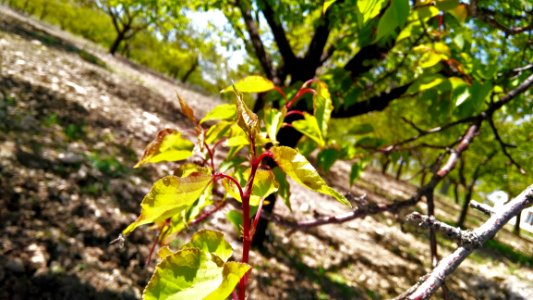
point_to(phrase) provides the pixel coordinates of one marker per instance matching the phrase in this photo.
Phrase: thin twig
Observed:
(479, 236)
(482, 207)
(504, 146)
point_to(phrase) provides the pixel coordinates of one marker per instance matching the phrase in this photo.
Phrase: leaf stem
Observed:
(298, 95)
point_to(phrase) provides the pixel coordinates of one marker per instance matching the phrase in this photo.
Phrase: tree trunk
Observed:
(399, 171)
(464, 209)
(516, 229)
(44, 12)
(456, 192)
(116, 43)
(185, 77)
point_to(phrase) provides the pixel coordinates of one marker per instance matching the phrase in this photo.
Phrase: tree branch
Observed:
(257, 43)
(482, 207)
(377, 103)
(504, 146)
(478, 237)
(279, 35)
(462, 237)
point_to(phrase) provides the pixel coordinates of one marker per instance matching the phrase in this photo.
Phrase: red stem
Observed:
(211, 156)
(222, 175)
(206, 214)
(279, 90)
(156, 241)
(298, 95)
(246, 236)
(294, 112)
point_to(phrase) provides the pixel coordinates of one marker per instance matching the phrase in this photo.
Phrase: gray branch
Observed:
(485, 232)
(465, 238)
(484, 208)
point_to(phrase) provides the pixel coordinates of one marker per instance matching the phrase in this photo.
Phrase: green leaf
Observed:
(322, 107)
(361, 129)
(447, 4)
(284, 189)
(167, 146)
(327, 157)
(395, 16)
(221, 112)
(169, 196)
(310, 128)
(235, 218)
(370, 142)
(210, 241)
(478, 92)
(251, 84)
(369, 9)
(300, 169)
(194, 274)
(273, 122)
(217, 131)
(355, 172)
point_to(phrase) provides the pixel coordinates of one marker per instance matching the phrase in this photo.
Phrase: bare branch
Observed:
(482, 207)
(480, 235)
(456, 153)
(504, 146)
(508, 30)
(462, 237)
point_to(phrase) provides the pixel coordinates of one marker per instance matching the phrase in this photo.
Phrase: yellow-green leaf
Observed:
(264, 184)
(194, 274)
(221, 112)
(251, 84)
(169, 196)
(322, 107)
(300, 169)
(167, 146)
(210, 241)
(326, 5)
(274, 121)
(310, 128)
(217, 131)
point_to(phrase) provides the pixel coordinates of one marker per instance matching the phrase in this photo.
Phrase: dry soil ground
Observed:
(73, 120)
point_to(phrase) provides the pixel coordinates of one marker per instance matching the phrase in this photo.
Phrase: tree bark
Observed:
(193, 67)
(516, 229)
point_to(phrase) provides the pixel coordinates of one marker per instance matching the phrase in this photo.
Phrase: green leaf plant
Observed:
(200, 269)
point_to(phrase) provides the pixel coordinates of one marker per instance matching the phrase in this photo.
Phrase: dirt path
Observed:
(73, 120)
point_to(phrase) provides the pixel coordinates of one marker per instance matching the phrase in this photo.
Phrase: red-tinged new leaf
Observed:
(247, 119)
(167, 146)
(186, 110)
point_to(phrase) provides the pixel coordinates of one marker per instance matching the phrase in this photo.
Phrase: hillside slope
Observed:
(73, 120)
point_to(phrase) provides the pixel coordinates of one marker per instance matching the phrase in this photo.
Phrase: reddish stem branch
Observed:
(479, 236)
(298, 95)
(207, 214)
